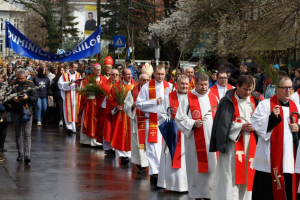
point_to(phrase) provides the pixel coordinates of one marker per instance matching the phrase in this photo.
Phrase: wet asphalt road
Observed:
(61, 169)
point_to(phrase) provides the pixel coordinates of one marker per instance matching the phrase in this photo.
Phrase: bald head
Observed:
(97, 70)
(127, 74)
(114, 75)
(144, 78)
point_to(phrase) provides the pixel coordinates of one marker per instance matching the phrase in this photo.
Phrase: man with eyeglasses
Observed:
(274, 161)
(137, 124)
(222, 85)
(104, 135)
(234, 138)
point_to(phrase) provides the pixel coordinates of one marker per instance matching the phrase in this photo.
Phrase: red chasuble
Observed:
(105, 131)
(68, 99)
(141, 119)
(91, 108)
(276, 153)
(199, 132)
(174, 104)
(240, 169)
(214, 89)
(153, 125)
(121, 131)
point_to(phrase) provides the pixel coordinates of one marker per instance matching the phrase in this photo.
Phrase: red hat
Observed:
(108, 61)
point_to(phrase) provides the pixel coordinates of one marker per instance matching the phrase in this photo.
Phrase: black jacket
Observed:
(17, 107)
(223, 120)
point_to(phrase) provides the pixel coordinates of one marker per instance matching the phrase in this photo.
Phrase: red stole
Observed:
(92, 116)
(174, 104)
(153, 126)
(199, 132)
(68, 99)
(192, 84)
(276, 153)
(240, 159)
(298, 91)
(121, 129)
(214, 89)
(141, 119)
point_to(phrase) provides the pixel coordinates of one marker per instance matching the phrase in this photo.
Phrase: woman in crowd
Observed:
(57, 95)
(43, 92)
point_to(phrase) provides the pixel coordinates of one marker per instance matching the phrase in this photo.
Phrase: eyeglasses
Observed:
(222, 78)
(286, 88)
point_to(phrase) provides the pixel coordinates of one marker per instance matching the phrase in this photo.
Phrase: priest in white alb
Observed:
(234, 138)
(172, 173)
(278, 138)
(195, 118)
(149, 101)
(67, 83)
(222, 85)
(137, 125)
(296, 95)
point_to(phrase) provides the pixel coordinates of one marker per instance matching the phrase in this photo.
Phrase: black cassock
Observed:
(90, 25)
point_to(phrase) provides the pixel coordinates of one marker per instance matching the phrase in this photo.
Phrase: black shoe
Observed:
(140, 169)
(109, 152)
(3, 150)
(153, 179)
(124, 160)
(20, 157)
(26, 160)
(70, 132)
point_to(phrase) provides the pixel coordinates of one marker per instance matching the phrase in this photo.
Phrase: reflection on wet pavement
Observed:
(62, 169)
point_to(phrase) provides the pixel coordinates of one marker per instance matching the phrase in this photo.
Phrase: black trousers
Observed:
(262, 186)
(3, 132)
(59, 107)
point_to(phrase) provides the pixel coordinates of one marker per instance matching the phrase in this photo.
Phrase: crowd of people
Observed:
(230, 134)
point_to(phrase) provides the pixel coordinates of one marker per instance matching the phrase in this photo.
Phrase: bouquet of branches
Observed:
(91, 89)
(119, 93)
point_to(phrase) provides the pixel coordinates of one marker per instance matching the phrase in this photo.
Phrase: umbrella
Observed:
(295, 135)
(169, 130)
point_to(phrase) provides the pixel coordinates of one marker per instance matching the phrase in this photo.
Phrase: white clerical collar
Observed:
(71, 72)
(240, 99)
(199, 95)
(157, 83)
(221, 87)
(97, 78)
(126, 83)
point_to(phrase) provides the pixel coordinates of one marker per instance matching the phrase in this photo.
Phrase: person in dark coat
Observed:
(259, 87)
(57, 94)
(25, 99)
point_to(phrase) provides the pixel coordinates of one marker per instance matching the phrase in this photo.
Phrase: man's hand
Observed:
(3, 115)
(16, 99)
(133, 105)
(70, 83)
(198, 123)
(119, 108)
(276, 110)
(247, 127)
(159, 100)
(24, 98)
(294, 127)
(51, 98)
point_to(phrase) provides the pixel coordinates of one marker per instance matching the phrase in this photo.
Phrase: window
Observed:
(1, 24)
(1, 45)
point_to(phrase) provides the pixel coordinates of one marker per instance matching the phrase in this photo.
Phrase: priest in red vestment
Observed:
(104, 135)
(222, 85)
(121, 131)
(89, 111)
(108, 64)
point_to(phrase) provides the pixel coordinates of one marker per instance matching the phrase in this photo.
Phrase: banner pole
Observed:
(6, 65)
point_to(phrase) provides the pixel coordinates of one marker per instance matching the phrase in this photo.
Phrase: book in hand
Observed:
(78, 80)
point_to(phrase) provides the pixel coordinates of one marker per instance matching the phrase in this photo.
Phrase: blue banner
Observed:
(23, 46)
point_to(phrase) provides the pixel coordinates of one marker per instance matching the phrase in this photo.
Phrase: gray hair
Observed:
(21, 72)
(201, 77)
(189, 67)
(182, 77)
(114, 69)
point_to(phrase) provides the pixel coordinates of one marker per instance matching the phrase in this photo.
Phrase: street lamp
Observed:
(129, 9)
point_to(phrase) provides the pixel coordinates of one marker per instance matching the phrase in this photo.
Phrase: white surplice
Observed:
(153, 150)
(224, 186)
(138, 156)
(295, 97)
(199, 184)
(260, 121)
(64, 86)
(168, 177)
